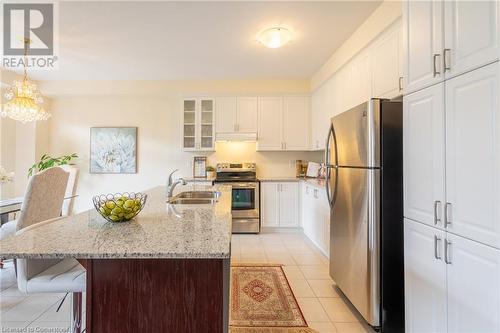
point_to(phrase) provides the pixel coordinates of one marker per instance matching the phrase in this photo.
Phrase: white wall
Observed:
(158, 118)
(7, 153)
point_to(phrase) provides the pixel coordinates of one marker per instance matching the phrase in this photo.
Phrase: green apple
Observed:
(110, 204)
(114, 218)
(117, 210)
(129, 204)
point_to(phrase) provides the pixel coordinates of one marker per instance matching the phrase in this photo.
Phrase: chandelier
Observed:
(24, 100)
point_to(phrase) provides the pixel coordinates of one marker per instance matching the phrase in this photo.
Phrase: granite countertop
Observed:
(318, 182)
(161, 230)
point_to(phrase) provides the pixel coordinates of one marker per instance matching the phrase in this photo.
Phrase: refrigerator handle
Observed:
(329, 195)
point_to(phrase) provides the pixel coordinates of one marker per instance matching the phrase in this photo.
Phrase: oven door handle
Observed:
(244, 185)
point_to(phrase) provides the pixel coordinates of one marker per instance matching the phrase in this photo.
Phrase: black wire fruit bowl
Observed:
(119, 207)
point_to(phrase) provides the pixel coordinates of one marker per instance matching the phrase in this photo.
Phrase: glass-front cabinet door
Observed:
(198, 130)
(207, 123)
(189, 124)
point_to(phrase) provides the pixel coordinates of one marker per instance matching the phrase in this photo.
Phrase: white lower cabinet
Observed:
(280, 204)
(473, 280)
(316, 217)
(425, 279)
(452, 284)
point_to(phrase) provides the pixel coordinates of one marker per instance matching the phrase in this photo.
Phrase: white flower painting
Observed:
(113, 150)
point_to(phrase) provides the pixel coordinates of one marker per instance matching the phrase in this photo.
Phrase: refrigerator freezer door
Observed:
(357, 136)
(354, 237)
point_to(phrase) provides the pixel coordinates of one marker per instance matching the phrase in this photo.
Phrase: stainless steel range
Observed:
(245, 205)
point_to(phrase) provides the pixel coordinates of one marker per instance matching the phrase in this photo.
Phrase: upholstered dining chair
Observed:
(42, 203)
(66, 207)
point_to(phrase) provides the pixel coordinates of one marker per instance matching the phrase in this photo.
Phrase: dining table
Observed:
(9, 206)
(13, 205)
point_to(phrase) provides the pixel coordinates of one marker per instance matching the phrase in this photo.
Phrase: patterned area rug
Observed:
(262, 301)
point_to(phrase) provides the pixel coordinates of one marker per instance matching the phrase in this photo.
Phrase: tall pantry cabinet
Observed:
(452, 166)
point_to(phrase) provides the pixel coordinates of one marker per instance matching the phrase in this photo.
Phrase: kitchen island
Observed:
(165, 271)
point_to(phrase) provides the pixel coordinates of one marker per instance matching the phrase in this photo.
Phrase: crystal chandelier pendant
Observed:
(24, 100)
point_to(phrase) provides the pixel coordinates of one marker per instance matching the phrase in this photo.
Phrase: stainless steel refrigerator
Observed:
(364, 159)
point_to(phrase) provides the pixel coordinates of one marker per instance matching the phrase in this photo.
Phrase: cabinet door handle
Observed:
(446, 54)
(400, 83)
(435, 65)
(447, 214)
(436, 251)
(447, 247)
(316, 194)
(234, 127)
(437, 216)
(284, 145)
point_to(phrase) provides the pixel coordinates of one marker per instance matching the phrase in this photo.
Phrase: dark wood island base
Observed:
(157, 295)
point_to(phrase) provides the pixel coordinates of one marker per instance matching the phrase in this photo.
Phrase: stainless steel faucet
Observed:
(170, 180)
(171, 184)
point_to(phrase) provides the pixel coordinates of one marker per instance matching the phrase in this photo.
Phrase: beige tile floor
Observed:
(305, 267)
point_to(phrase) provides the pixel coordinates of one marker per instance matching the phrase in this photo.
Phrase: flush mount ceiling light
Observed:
(275, 37)
(24, 99)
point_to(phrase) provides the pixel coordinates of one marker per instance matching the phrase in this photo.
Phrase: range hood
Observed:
(248, 137)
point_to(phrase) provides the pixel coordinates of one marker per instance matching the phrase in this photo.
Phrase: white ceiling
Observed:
(198, 40)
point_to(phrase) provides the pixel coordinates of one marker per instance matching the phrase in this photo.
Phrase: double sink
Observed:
(195, 198)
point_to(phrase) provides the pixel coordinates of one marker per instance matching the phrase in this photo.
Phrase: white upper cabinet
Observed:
(424, 155)
(283, 123)
(473, 155)
(387, 67)
(425, 279)
(296, 123)
(226, 114)
(322, 109)
(423, 43)
(319, 122)
(473, 280)
(236, 115)
(270, 120)
(375, 72)
(471, 34)
(247, 115)
(198, 130)
(359, 80)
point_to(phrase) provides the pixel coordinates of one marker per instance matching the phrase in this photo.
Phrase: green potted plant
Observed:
(48, 161)
(210, 172)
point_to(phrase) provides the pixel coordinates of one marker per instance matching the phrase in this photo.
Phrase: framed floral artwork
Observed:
(113, 150)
